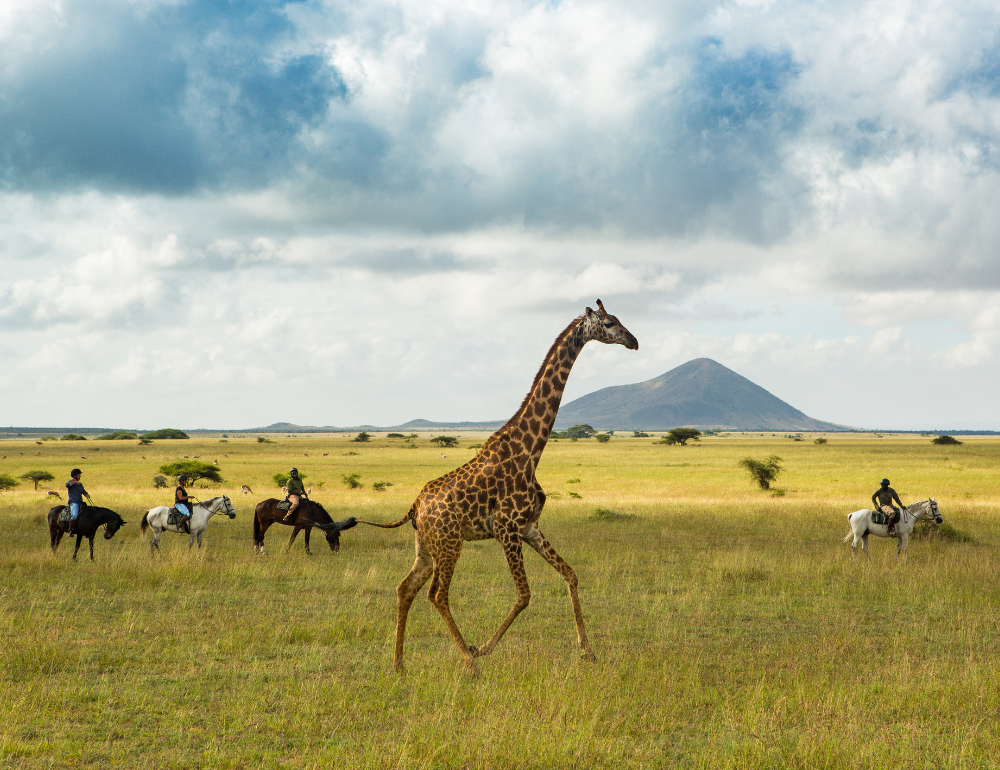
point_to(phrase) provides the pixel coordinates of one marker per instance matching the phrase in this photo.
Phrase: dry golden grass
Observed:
(732, 628)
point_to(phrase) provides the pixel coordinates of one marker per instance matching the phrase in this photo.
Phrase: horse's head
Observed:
(115, 523)
(333, 530)
(935, 512)
(227, 507)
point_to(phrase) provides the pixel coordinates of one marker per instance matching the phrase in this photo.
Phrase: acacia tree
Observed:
(7, 482)
(681, 436)
(194, 469)
(580, 431)
(37, 476)
(445, 441)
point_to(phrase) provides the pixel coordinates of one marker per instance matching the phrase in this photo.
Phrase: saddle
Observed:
(64, 516)
(284, 505)
(175, 517)
(880, 518)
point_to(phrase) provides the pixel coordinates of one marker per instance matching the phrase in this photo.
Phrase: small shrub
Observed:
(475, 446)
(49, 438)
(577, 495)
(603, 438)
(221, 441)
(73, 437)
(640, 434)
(145, 441)
(945, 440)
(37, 476)
(7, 482)
(362, 437)
(763, 472)
(606, 514)
(777, 493)
(160, 482)
(572, 481)
(352, 480)
(262, 440)
(118, 436)
(351, 454)
(395, 435)
(819, 441)
(379, 486)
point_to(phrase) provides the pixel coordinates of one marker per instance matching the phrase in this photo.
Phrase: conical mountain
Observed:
(702, 394)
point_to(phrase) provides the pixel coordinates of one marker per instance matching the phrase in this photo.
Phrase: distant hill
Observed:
(702, 394)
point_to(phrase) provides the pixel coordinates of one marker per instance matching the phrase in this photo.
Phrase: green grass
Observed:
(732, 628)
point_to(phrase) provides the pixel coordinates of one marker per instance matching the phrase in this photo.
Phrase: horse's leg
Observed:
(55, 534)
(264, 526)
(79, 539)
(306, 536)
(199, 539)
(90, 541)
(864, 546)
(295, 533)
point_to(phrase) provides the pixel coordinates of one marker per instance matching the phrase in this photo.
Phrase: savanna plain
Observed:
(731, 625)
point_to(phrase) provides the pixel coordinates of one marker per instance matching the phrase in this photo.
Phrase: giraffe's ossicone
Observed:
(495, 495)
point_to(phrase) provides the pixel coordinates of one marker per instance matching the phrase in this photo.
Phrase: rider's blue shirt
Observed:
(75, 492)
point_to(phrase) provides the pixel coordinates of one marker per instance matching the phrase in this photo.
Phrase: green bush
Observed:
(262, 440)
(37, 476)
(945, 440)
(121, 435)
(603, 438)
(379, 486)
(7, 482)
(160, 482)
(195, 469)
(763, 472)
(445, 441)
(145, 441)
(819, 441)
(640, 434)
(73, 437)
(395, 435)
(352, 480)
(281, 479)
(362, 437)
(606, 514)
(579, 431)
(167, 433)
(49, 438)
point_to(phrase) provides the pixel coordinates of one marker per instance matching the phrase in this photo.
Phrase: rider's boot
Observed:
(186, 525)
(290, 516)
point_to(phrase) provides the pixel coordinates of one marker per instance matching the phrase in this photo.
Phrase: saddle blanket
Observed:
(175, 517)
(879, 518)
(284, 505)
(64, 515)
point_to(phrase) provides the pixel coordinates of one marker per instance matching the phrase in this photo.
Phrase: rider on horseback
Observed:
(74, 496)
(296, 491)
(882, 500)
(182, 502)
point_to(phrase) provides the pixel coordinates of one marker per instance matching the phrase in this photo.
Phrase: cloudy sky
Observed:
(226, 213)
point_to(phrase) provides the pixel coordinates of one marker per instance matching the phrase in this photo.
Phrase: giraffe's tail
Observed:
(409, 516)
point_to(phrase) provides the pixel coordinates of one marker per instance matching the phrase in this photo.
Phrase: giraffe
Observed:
(495, 495)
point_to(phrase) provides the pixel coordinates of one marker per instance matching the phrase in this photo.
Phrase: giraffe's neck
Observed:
(532, 424)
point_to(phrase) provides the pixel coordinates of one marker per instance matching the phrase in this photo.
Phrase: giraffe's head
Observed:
(601, 326)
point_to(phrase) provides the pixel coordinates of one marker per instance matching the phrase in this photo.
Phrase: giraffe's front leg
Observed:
(537, 541)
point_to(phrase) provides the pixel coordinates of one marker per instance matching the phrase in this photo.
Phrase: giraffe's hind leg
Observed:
(444, 568)
(537, 541)
(515, 560)
(407, 591)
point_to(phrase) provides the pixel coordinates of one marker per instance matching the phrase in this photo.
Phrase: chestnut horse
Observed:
(309, 514)
(89, 519)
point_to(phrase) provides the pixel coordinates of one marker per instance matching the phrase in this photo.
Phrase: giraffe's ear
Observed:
(600, 309)
(590, 313)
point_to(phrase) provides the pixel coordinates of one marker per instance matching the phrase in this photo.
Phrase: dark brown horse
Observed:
(89, 519)
(309, 514)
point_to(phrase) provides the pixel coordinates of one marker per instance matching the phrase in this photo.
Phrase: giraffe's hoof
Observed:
(588, 655)
(474, 651)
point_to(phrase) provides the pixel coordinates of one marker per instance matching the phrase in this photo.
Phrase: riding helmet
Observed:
(183, 477)
(885, 482)
(75, 471)
(294, 470)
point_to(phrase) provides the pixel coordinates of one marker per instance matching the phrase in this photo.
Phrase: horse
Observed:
(87, 521)
(309, 514)
(156, 518)
(862, 526)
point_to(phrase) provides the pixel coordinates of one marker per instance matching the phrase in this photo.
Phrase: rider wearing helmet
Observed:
(182, 502)
(296, 491)
(74, 496)
(882, 500)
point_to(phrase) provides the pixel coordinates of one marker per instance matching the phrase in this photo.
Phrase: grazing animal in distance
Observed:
(39, 443)
(325, 454)
(54, 494)
(862, 526)
(496, 495)
(215, 462)
(245, 490)
(444, 457)
(89, 519)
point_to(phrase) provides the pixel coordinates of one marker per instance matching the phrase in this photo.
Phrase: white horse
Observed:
(156, 518)
(862, 526)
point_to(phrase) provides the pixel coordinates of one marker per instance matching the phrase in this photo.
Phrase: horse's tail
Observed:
(409, 515)
(144, 524)
(256, 528)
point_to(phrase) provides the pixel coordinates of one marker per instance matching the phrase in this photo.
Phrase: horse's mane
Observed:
(323, 511)
(538, 375)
